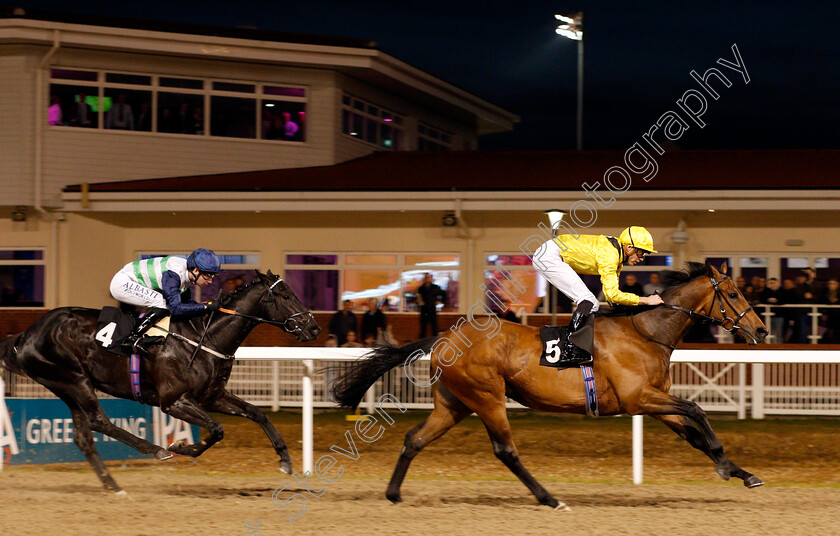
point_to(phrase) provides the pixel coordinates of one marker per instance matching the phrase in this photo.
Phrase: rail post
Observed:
(307, 415)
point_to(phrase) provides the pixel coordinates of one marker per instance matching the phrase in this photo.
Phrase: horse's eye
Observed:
(285, 296)
(733, 295)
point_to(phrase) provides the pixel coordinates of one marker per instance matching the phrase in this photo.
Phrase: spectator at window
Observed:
(352, 342)
(144, 119)
(83, 116)
(741, 283)
(831, 296)
(654, 286)
(183, 121)
(788, 296)
(54, 114)
(631, 285)
(166, 122)
(290, 128)
(343, 322)
(772, 295)
(807, 291)
(269, 130)
(120, 116)
(428, 297)
(373, 321)
(197, 121)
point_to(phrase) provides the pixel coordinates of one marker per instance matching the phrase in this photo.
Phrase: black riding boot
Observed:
(571, 353)
(135, 341)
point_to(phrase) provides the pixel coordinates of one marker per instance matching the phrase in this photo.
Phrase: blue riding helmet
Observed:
(205, 260)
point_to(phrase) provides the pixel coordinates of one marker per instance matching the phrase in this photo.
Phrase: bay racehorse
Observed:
(477, 369)
(59, 352)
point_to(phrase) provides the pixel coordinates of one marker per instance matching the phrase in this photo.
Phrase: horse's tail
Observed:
(8, 353)
(352, 385)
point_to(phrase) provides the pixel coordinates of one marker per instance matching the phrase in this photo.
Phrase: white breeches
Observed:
(127, 291)
(548, 262)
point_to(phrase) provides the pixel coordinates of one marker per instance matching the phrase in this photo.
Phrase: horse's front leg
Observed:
(186, 409)
(678, 415)
(233, 405)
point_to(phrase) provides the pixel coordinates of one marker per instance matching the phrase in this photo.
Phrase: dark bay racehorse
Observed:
(631, 368)
(59, 352)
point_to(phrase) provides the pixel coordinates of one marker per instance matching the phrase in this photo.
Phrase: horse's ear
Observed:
(712, 271)
(269, 274)
(723, 268)
(259, 274)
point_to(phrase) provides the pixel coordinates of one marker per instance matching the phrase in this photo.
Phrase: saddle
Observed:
(552, 338)
(114, 325)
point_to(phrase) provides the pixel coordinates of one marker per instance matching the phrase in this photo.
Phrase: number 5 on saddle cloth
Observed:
(115, 325)
(552, 338)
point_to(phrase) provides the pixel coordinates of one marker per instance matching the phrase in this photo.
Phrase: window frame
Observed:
(383, 116)
(401, 267)
(28, 262)
(206, 92)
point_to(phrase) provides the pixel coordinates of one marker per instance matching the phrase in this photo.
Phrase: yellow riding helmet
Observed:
(637, 237)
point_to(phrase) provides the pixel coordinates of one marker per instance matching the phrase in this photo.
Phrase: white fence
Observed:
(779, 382)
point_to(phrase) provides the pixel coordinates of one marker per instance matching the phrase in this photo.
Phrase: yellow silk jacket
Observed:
(595, 255)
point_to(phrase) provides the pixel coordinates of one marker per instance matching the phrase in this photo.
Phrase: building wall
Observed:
(16, 126)
(113, 240)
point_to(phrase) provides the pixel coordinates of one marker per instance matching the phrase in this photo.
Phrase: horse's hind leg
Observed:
(494, 415)
(677, 414)
(233, 405)
(448, 412)
(83, 438)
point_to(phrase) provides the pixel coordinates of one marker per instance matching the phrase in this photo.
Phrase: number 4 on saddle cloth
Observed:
(552, 338)
(114, 325)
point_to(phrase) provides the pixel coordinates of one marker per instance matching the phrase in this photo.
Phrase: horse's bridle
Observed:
(726, 322)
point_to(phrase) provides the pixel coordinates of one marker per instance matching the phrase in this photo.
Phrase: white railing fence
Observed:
(779, 382)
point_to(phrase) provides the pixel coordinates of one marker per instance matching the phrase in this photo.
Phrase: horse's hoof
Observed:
(394, 497)
(753, 482)
(286, 467)
(178, 444)
(163, 455)
(722, 471)
(561, 507)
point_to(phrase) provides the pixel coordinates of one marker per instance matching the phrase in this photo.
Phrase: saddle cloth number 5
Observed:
(552, 350)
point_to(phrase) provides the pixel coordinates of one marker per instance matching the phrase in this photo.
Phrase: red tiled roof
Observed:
(558, 170)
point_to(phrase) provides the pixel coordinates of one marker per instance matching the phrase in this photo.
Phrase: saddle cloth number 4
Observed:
(106, 334)
(112, 327)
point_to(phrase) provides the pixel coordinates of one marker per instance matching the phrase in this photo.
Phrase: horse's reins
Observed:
(719, 297)
(296, 326)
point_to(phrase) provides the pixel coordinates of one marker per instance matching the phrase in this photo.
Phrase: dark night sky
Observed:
(638, 59)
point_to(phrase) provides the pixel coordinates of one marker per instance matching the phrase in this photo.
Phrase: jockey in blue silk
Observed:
(158, 284)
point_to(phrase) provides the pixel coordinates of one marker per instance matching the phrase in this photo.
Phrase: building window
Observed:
(323, 280)
(433, 139)
(371, 123)
(22, 278)
(512, 280)
(170, 105)
(238, 269)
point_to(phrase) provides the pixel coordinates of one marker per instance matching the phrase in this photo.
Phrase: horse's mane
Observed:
(671, 280)
(224, 300)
